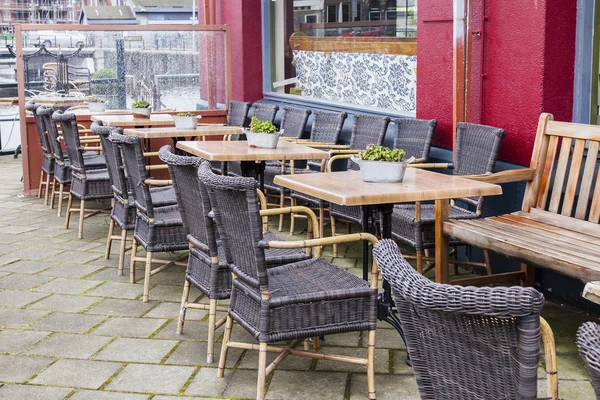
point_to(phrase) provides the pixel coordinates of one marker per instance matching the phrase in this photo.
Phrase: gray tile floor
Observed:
(70, 327)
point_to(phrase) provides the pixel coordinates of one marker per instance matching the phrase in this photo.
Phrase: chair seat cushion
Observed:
(165, 233)
(163, 196)
(94, 161)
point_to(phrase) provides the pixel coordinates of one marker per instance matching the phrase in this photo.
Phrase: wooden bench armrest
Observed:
(158, 182)
(512, 175)
(334, 158)
(431, 165)
(151, 154)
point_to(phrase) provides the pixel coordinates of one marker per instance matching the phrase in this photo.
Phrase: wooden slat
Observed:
(595, 210)
(538, 158)
(490, 279)
(559, 177)
(575, 131)
(571, 190)
(547, 172)
(586, 180)
(561, 221)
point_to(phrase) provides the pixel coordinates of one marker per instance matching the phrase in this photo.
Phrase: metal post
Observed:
(122, 94)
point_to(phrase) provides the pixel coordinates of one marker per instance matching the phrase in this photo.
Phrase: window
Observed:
(353, 52)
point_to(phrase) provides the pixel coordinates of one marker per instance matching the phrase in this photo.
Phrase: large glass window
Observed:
(360, 52)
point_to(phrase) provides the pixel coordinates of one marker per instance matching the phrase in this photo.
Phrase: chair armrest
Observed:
(313, 222)
(158, 182)
(432, 165)
(89, 140)
(151, 154)
(316, 145)
(343, 151)
(550, 358)
(156, 167)
(512, 175)
(91, 148)
(334, 158)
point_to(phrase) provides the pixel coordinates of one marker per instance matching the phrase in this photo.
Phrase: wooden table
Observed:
(240, 151)
(129, 121)
(58, 102)
(201, 130)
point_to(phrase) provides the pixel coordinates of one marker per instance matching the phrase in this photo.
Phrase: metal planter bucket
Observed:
(382, 171)
(96, 107)
(141, 112)
(262, 140)
(185, 123)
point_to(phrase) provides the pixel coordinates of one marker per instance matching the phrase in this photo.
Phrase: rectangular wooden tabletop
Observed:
(50, 101)
(203, 130)
(347, 188)
(238, 150)
(128, 120)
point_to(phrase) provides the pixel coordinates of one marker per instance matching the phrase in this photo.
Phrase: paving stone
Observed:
(64, 303)
(171, 310)
(18, 298)
(17, 341)
(13, 392)
(173, 276)
(192, 330)
(121, 308)
(400, 366)
(146, 378)
(387, 387)
(70, 345)
(67, 323)
(18, 369)
(109, 273)
(35, 254)
(243, 385)
(386, 338)
(250, 361)
(77, 373)
(129, 327)
(118, 290)
(382, 360)
(7, 238)
(171, 293)
(571, 390)
(8, 259)
(74, 256)
(67, 286)
(569, 367)
(102, 395)
(194, 353)
(137, 350)
(22, 281)
(3, 274)
(9, 248)
(15, 229)
(17, 318)
(73, 271)
(206, 383)
(344, 339)
(26, 267)
(181, 398)
(307, 385)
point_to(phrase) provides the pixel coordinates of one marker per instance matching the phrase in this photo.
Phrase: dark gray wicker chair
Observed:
(467, 342)
(86, 184)
(588, 343)
(414, 136)
(291, 302)
(47, 169)
(476, 153)
(265, 111)
(212, 278)
(237, 115)
(157, 229)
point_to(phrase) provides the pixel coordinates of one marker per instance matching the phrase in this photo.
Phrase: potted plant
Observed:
(96, 104)
(262, 134)
(186, 120)
(141, 109)
(382, 164)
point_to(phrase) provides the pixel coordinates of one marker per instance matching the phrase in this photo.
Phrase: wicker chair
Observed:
(467, 342)
(476, 153)
(237, 115)
(157, 229)
(588, 343)
(265, 111)
(291, 302)
(366, 130)
(414, 136)
(47, 169)
(212, 278)
(86, 184)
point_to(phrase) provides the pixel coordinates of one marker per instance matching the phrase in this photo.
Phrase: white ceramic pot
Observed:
(186, 123)
(97, 107)
(382, 171)
(141, 112)
(262, 140)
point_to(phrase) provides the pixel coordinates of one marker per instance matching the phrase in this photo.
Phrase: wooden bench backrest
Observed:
(565, 157)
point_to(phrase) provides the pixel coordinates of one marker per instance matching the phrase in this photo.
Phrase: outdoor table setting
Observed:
(177, 135)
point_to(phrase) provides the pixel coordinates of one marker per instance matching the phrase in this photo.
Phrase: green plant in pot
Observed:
(262, 134)
(96, 104)
(141, 109)
(186, 121)
(382, 164)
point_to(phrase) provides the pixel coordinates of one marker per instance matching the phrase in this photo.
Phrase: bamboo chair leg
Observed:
(47, 194)
(122, 249)
(224, 347)
(321, 219)
(371, 365)
(316, 343)
(281, 204)
(81, 218)
(111, 231)
(53, 195)
(333, 227)
(41, 184)
(420, 261)
(550, 358)
(147, 276)
(486, 260)
(61, 189)
(262, 371)
(69, 205)
(184, 299)
(212, 319)
(292, 217)
(134, 247)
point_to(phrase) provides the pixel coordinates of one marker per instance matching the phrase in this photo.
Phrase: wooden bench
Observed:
(557, 227)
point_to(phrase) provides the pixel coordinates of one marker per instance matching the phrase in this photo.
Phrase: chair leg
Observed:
(292, 217)
(61, 190)
(486, 260)
(371, 365)
(69, 205)
(184, 299)
(529, 275)
(335, 247)
(111, 231)
(47, 194)
(420, 261)
(321, 220)
(262, 371)
(81, 218)
(122, 248)
(281, 204)
(53, 197)
(41, 184)
(147, 276)
(224, 347)
(134, 246)
(212, 319)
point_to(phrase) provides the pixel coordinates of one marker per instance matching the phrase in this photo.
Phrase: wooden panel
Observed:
(595, 210)
(548, 167)
(131, 121)
(572, 130)
(559, 177)
(203, 130)
(576, 235)
(376, 45)
(586, 180)
(571, 190)
(538, 158)
(585, 227)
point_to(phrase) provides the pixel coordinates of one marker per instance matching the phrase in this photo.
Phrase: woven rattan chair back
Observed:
(133, 157)
(414, 136)
(237, 114)
(454, 332)
(265, 112)
(366, 130)
(114, 160)
(192, 199)
(327, 126)
(46, 114)
(40, 126)
(70, 133)
(588, 343)
(293, 121)
(236, 211)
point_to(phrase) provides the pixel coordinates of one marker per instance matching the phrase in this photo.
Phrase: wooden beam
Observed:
(459, 92)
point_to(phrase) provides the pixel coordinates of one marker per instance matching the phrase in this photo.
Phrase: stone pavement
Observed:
(71, 328)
